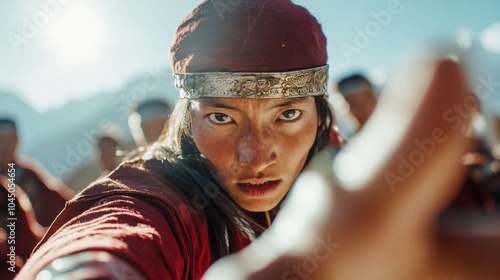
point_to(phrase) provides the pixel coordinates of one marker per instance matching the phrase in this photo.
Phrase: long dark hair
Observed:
(182, 164)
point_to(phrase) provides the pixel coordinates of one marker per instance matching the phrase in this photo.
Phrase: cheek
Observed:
(299, 143)
(213, 144)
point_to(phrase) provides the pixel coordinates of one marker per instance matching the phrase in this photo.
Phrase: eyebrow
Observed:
(291, 101)
(216, 103)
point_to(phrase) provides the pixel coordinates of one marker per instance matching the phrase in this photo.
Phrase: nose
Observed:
(256, 149)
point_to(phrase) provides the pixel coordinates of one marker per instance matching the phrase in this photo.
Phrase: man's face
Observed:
(256, 147)
(361, 102)
(109, 160)
(152, 128)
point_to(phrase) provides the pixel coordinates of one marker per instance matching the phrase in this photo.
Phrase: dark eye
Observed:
(220, 118)
(290, 115)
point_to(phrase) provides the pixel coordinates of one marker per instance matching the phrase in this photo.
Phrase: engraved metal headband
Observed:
(299, 83)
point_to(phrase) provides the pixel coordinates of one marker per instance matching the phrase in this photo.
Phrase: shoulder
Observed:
(132, 178)
(146, 187)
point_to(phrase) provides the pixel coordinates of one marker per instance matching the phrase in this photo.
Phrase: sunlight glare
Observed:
(77, 34)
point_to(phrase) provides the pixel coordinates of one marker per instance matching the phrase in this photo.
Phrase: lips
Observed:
(258, 188)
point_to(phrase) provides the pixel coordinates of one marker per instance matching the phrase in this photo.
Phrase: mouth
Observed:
(258, 188)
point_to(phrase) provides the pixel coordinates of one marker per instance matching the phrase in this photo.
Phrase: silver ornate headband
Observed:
(300, 83)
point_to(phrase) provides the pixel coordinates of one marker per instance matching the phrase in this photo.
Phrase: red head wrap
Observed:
(248, 36)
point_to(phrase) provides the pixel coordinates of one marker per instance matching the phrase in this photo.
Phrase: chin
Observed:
(258, 207)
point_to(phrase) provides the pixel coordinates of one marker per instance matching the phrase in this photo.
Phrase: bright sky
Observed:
(53, 51)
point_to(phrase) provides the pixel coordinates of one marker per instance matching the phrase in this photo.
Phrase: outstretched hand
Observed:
(371, 212)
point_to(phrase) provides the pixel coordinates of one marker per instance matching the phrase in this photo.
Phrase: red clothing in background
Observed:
(135, 215)
(19, 230)
(47, 195)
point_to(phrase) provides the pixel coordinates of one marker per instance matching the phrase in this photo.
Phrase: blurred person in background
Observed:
(147, 120)
(345, 122)
(108, 154)
(47, 194)
(481, 190)
(360, 95)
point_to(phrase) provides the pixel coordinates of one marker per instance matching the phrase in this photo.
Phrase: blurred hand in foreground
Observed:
(371, 212)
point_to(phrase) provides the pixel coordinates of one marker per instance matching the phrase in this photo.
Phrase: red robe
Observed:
(135, 215)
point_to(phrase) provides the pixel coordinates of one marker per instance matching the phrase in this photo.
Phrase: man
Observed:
(47, 194)
(146, 122)
(359, 94)
(108, 159)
